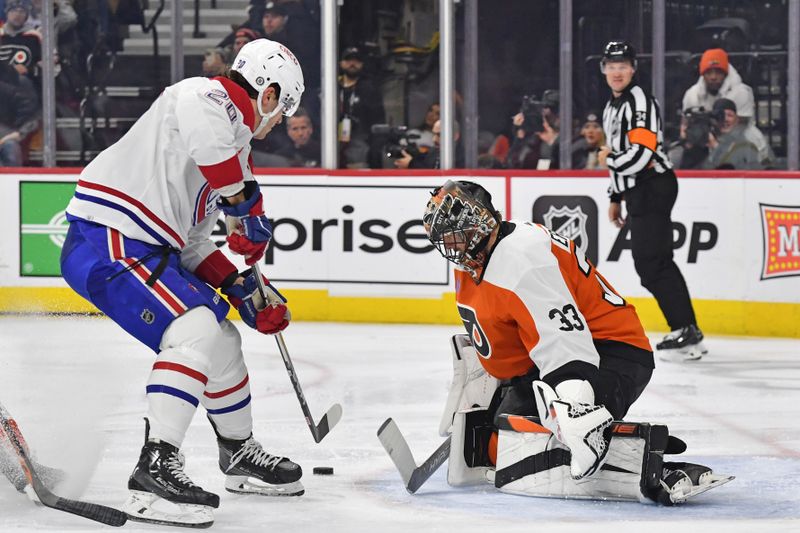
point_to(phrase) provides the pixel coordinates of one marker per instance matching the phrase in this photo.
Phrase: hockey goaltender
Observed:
(552, 357)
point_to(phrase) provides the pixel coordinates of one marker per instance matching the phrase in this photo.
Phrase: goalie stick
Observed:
(334, 414)
(92, 511)
(396, 446)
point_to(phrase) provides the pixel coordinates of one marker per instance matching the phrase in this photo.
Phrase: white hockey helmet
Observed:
(263, 62)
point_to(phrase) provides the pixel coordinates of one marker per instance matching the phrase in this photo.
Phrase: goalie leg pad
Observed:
(471, 386)
(470, 459)
(536, 464)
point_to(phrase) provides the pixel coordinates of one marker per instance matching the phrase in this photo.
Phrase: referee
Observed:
(642, 175)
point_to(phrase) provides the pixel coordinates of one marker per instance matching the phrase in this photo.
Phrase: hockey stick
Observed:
(334, 414)
(396, 446)
(92, 511)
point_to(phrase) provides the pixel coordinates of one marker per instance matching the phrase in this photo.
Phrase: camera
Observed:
(533, 110)
(395, 139)
(699, 124)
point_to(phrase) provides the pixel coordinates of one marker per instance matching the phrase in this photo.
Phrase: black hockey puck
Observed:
(323, 470)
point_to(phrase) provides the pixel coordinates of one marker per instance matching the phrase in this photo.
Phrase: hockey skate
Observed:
(681, 481)
(249, 469)
(685, 344)
(161, 493)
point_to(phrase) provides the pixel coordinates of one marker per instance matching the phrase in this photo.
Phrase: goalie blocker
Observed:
(532, 462)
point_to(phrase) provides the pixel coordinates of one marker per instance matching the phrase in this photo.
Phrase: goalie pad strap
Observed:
(532, 464)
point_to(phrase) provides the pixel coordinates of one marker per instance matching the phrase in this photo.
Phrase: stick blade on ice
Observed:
(328, 422)
(396, 446)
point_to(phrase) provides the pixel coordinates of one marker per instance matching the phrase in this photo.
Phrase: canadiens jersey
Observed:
(159, 183)
(541, 302)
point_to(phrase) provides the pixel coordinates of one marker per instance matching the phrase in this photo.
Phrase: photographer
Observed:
(728, 145)
(642, 175)
(690, 151)
(430, 158)
(536, 131)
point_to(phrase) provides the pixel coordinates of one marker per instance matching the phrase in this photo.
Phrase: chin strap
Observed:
(266, 117)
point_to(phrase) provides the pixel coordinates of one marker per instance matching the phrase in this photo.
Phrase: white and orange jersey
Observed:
(541, 302)
(159, 183)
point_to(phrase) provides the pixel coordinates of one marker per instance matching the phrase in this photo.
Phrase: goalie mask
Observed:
(459, 220)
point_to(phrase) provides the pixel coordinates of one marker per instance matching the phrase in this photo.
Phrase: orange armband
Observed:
(643, 136)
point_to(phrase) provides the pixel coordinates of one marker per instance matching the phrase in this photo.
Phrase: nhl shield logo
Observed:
(568, 222)
(573, 217)
(148, 316)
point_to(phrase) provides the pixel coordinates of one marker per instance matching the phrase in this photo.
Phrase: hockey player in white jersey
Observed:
(138, 248)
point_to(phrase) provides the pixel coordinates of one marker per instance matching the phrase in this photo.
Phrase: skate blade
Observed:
(249, 485)
(709, 482)
(149, 508)
(679, 355)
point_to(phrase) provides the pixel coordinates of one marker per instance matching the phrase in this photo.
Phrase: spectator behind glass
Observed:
(273, 21)
(535, 133)
(585, 149)
(292, 24)
(728, 144)
(425, 130)
(303, 150)
(242, 36)
(64, 15)
(19, 114)
(360, 106)
(215, 62)
(488, 148)
(20, 44)
(719, 79)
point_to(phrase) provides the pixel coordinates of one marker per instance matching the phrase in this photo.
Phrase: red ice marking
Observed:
(763, 438)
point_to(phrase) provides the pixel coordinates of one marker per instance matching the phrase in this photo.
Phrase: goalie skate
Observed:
(249, 469)
(682, 481)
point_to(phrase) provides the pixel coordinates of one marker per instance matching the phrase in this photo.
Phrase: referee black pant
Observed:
(649, 206)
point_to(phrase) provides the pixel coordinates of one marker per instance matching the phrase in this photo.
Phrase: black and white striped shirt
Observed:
(632, 124)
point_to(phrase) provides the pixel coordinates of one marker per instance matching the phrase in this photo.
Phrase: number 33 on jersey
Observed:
(541, 302)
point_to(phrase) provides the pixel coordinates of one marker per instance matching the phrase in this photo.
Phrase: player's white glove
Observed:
(570, 413)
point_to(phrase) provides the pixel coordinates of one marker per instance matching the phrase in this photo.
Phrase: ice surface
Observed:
(76, 387)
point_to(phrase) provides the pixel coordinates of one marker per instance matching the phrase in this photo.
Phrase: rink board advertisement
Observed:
(351, 246)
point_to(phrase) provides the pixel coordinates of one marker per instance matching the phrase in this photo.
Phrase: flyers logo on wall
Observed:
(781, 227)
(43, 226)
